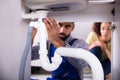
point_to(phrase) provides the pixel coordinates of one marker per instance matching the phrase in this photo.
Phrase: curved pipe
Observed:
(85, 55)
(62, 51)
(76, 53)
(43, 48)
(71, 52)
(45, 63)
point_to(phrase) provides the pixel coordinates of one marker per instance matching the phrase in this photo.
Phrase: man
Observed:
(59, 35)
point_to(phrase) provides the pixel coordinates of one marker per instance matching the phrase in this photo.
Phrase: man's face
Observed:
(65, 29)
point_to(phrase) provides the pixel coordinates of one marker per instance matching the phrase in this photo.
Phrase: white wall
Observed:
(13, 34)
(85, 19)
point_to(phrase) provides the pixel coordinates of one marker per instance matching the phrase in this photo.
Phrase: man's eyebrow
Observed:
(60, 23)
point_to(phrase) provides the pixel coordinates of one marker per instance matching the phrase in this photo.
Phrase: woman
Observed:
(99, 41)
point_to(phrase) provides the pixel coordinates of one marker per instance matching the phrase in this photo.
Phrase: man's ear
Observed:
(73, 27)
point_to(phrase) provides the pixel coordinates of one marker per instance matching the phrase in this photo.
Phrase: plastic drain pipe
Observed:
(97, 70)
(94, 63)
(96, 67)
(44, 61)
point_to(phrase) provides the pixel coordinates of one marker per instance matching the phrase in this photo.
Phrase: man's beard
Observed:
(63, 38)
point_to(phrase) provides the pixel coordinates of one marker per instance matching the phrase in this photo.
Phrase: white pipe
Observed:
(94, 63)
(97, 70)
(43, 51)
(42, 32)
(44, 61)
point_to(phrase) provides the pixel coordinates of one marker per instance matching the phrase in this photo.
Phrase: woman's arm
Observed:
(96, 43)
(108, 52)
(103, 47)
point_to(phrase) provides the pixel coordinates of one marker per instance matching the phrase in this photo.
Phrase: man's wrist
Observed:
(59, 43)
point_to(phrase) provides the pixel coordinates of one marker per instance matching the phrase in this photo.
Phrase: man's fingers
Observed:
(47, 24)
(52, 23)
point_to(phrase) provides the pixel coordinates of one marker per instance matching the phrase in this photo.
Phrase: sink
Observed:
(56, 5)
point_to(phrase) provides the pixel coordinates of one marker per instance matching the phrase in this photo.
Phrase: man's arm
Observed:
(78, 44)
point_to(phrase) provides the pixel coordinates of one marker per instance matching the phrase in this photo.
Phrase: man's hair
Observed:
(67, 22)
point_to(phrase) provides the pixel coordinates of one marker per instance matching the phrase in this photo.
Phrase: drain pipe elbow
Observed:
(87, 56)
(45, 63)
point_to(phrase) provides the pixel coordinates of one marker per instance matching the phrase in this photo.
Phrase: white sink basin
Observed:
(56, 4)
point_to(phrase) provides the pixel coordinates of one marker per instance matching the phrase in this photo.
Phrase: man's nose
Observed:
(62, 29)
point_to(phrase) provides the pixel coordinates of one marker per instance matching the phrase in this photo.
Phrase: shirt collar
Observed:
(69, 39)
